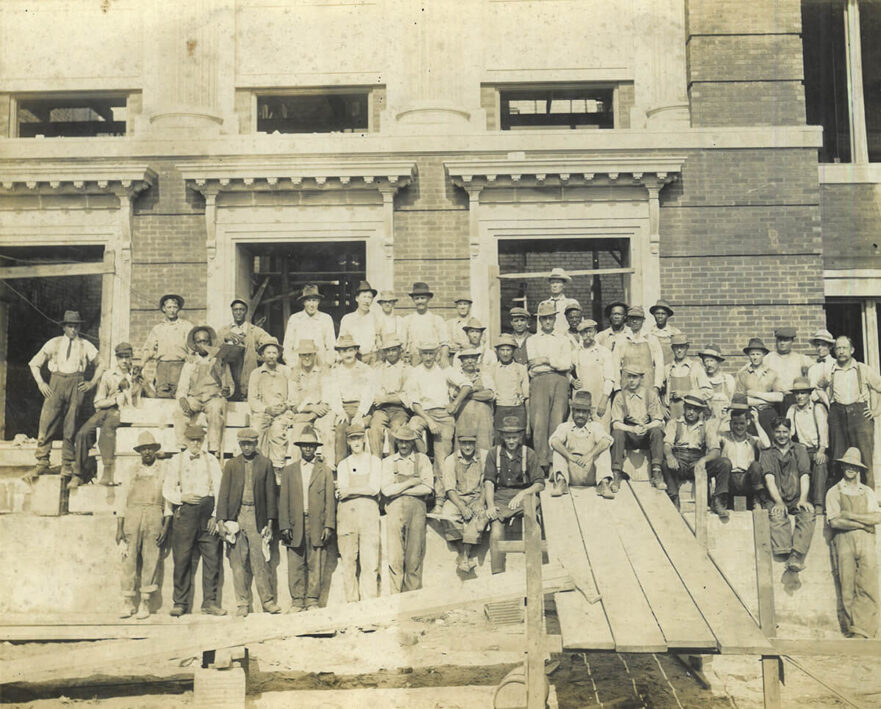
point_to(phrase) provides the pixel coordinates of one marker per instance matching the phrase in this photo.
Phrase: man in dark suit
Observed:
(246, 507)
(306, 521)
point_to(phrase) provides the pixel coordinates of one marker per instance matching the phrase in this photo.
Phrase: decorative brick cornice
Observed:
(37, 177)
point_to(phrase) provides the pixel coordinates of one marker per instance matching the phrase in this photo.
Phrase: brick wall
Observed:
(851, 226)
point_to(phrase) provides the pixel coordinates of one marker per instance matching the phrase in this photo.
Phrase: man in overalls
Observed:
(511, 382)
(271, 400)
(662, 331)
(581, 450)
(143, 519)
(595, 372)
(390, 402)
(853, 513)
(465, 504)
(644, 352)
(637, 423)
(683, 375)
(689, 446)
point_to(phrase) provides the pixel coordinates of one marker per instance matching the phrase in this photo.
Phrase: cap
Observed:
(390, 341)
(463, 298)
(517, 311)
(755, 343)
(473, 324)
(801, 384)
(679, 339)
(661, 305)
(823, 336)
(306, 347)
(785, 332)
(615, 303)
(469, 352)
(307, 437)
(266, 343)
(467, 435)
(421, 288)
(239, 300)
(852, 456)
(427, 345)
(586, 323)
(146, 440)
(355, 429)
(194, 433)
(559, 273)
(694, 399)
(636, 311)
(505, 340)
(387, 296)
(510, 424)
(365, 287)
(175, 296)
(123, 348)
(633, 368)
(712, 351)
(581, 399)
(573, 305)
(309, 291)
(247, 434)
(546, 309)
(345, 342)
(405, 433)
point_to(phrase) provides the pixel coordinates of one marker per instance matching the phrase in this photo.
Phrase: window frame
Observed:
(370, 90)
(19, 97)
(612, 86)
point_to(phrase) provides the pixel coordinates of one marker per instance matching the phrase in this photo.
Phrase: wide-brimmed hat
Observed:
(822, 335)
(505, 340)
(146, 440)
(661, 305)
(679, 339)
(239, 300)
(309, 291)
(586, 323)
(356, 429)
(463, 298)
(755, 343)
(739, 402)
(386, 296)
(404, 433)
(510, 424)
(266, 343)
(426, 345)
(421, 288)
(853, 457)
(193, 432)
(123, 348)
(694, 399)
(636, 311)
(469, 352)
(473, 324)
(801, 384)
(306, 347)
(365, 287)
(72, 317)
(191, 335)
(615, 303)
(712, 351)
(545, 309)
(633, 368)
(559, 273)
(517, 311)
(785, 332)
(345, 342)
(307, 437)
(247, 434)
(390, 341)
(581, 399)
(178, 298)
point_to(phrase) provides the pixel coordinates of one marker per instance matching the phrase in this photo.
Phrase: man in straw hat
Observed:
(310, 324)
(350, 388)
(390, 402)
(118, 387)
(759, 384)
(581, 450)
(557, 280)
(167, 344)
(475, 332)
(246, 509)
(67, 357)
(205, 385)
(407, 483)
(852, 512)
(192, 481)
(246, 340)
(465, 504)
(143, 520)
(511, 473)
(363, 324)
(810, 427)
(422, 325)
(721, 382)
(272, 400)
(822, 342)
(594, 371)
(306, 522)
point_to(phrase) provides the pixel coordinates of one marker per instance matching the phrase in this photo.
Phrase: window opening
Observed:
(573, 108)
(314, 113)
(71, 117)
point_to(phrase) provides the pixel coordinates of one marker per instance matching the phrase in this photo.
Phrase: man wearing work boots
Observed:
(465, 506)
(787, 471)
(637, 422)
(581, 450)
(143, 519)
(246, 509)
(809, 421)
(191, 483)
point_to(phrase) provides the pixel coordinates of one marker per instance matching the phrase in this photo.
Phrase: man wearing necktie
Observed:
(67, 358)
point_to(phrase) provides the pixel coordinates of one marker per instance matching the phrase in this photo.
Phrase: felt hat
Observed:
(586, 323)
(306, 347)
(178, 298)
(467, 435)
(738, 403)
(310, 290)
(469, 352)
(573, 305)
(517, 311)
(505, 340)
(510, 424)
(194, 433)
(581, 399)
(307, 437)
(852, 457)
(239, 300)
(387, 296)
(345, 342)
(390, 341)
(614, 304)
(694, 399)
(421, 288)
(356, 429)
(801, 384)
(712, 351)
(633, 368)
(463, 298)
(679, 339)
(365, 287)
(661, 305)
(191, 335)
(404, 433)
(558, 272)
(247, 434)
(123, 348)
(636, 311)
(785, 332)
(755, 343)
(473, 324)
(545, 309)
(72, 317)
(823, 336)
(146, 440)
(427, 345)
(271, 341)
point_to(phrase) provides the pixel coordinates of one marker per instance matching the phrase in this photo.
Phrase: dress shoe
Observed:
(178, 611)
(213, 610)
(720, 507)
(658, 479)
(143, 611)
(272, 608)
(605, 490)
(127, 610)
(795, 562)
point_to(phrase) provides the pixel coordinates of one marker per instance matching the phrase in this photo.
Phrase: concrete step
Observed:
(160, 412)
(92, 499)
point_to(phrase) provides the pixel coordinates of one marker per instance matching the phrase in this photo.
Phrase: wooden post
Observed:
(765, 594)
(4, 362)
(700, 505)
(535, 645)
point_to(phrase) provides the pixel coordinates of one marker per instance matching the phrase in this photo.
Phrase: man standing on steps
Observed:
(520, 333)
(247, 339)
(67, 357)
(644, 352)
(557, 281)
(662, 331)
(167, 344)
(363, 324)
(759, 384)
(310, 324)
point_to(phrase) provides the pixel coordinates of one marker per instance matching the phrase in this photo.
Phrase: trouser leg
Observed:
(414, 551)
(67, 446)
(276, 439)
(59, 411)
(150, 551)
(209, 548)
(215, 412)
(379, 422)
(656, 446)
(83, 441)
(475, 526)
(314, 568)
(803, 534)
(766, 420)
(257, 563)
(368, 549)
(347, 542)
(131, 527)
(540, 404)
(395, 525)
(838, 440)
(559, 410)
(781, 532)
(167, 378)
(819, 476)
(720, 470)
(241, 571)
(184, 532)
(861, 433)
(864, 612)
(298, 574)
(107, 440)
(619, 449)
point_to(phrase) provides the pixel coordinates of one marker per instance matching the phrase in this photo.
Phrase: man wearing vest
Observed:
(581, 450)
(306, 522)
(246, 509)
(167, 344)
(205, 385)
(192, 481)
(246, 341)
(809, 422)
(853, 514)
(511, 473)
(407, 481)
(465, 504)
(637, 423)
(645, 352)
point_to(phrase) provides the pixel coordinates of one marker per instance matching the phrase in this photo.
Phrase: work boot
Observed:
(657, 478)
(462, 564)
(143, 610)
(296, 609)
(615, 485)
(213, 610)
(605, 490)
(74, 482)
(107, 476)
(271, 607)
(241, 612)
(66, 470)
(720, 507)
(127, 610)
(795, 562)
(178, 611)
(41, 468)
(559, 486)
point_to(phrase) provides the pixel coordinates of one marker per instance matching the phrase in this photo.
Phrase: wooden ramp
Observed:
(658, 589)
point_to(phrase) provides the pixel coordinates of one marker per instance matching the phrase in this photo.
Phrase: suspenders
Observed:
(522, 461)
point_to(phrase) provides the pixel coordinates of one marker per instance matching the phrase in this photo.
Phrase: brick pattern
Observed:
(851, 217)
(775, 103)
(745, 58)
(737, 16)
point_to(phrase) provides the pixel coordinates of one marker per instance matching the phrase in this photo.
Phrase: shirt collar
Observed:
(473, 459)
(850, 365)
(515, 455)
(634, 394)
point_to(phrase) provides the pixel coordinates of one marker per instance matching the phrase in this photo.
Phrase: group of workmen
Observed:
(341, 428)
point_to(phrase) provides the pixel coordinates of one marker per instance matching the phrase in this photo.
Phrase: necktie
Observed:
(69, 348)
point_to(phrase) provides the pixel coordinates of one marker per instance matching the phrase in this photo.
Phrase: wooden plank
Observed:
(700, 506)
(727, 617)
(56, 270)
(675, 612)
(630, 616)
(188, 641)
(535, 613)
(566, 543)
(580, 272)
(765, 593)
(846, 647)
(582, 624)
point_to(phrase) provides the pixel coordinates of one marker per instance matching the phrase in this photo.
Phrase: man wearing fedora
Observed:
(310, 324)
(205, 385)
(759, 384)
(143, 520)
(511, 472)
(557, 281)
(822, 342)
(520, 332)
(662, 331)
(167, 344)
(272, 400)
(475, 340)
(683, 374)
(118, 387)
(390, 402)
(637, 423)
(308, 376)
(424, 326)
(634, 347)
(246, 340)
(722, 383)
(67, 357)
(350, 388)
(246, 509)
(581, 450)
(465, 503)
(853, 513)
(809, 422)
(192, 482)
(616, 315)
(306, 522)
(363, 324)
(594, 372)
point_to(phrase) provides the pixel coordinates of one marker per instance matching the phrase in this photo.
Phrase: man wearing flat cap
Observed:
(205, 385)
(520, 332)
(363, 324)
(67, 357)
(682, 375)
(760, 384)
(245, 340)
(661, 330)
(455, 326)
(167, 344)
(422, 325)
(118, 387)
(390, 401)
(788, 365)
(557, 281)
(246, 509)
(310, 324)
(637, 349)
(595, 372)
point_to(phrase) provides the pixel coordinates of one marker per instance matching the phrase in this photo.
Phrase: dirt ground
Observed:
(448, 661)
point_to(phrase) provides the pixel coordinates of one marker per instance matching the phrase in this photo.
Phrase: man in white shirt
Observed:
(810, 427)
(822, 342)
(581, 450)
(390, 402)
(595, 372)
(350, 388)
(456, 336)
(424, 326)
(787, 364)
(167, 344)
(310, 324)
(557, 281)
(616, 315)
(390, 324)
(363, 324)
